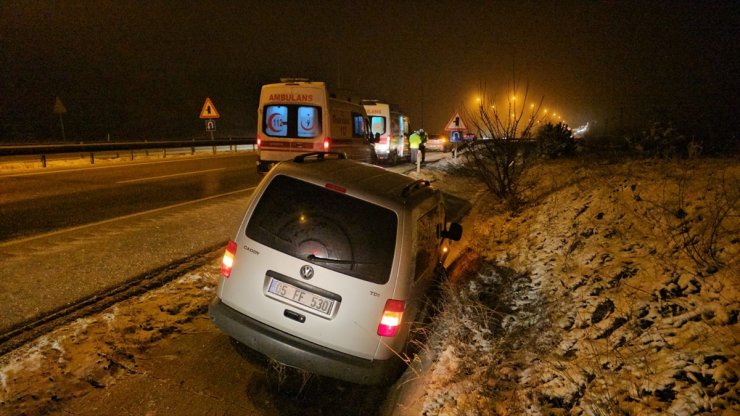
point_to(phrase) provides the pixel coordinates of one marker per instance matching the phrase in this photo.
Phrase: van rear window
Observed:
(343, 233)
(295, 121)
(377, 124)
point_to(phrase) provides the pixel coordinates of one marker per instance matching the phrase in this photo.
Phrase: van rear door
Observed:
(291, 120)
(322, 266)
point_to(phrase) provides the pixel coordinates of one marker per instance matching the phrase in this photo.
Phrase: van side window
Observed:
(359, 125)
(395, 126)
(426, 243)
(302, 121)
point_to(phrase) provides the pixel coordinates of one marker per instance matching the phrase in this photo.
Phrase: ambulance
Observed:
(391, 125)
(298, 116)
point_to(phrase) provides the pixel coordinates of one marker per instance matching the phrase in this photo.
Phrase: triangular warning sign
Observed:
(456, 123)
(59, 107)
(209, 110)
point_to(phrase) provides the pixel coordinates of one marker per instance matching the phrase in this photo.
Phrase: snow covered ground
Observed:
(596, 298)
(615, 291)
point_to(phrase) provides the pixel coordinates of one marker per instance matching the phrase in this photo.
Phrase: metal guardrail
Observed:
(54, 149)
(26, 150)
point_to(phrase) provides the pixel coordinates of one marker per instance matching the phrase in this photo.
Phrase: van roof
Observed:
(391, 106)
(339, 94)
(360, 179)
(296, 81)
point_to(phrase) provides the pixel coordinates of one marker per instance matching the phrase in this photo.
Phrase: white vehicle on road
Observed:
(391, 126)
(333, 262)
(300, 116)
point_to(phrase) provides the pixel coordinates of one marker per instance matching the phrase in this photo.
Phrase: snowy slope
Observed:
(596, 298)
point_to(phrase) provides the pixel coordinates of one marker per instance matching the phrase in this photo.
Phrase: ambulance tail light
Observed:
(259, 142)
(228, 260)
(327, 144)
(391, 319)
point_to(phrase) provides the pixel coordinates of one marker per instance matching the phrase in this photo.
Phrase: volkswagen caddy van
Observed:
(300, 116)
(331, 265)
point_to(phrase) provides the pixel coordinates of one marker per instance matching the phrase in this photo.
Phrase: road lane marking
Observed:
(127, 164)
(154, 178)
(95, 224)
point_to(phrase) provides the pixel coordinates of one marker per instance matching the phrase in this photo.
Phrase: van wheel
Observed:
(263, 168)
(393, 158)
(421, 328)
(374, 158)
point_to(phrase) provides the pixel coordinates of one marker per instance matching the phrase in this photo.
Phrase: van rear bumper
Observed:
(296, 352)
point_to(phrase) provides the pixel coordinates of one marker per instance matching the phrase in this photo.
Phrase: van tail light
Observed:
(327, 144)
(385, 143)
(335, 187)
(228, 261)
(259, 142)
(392, 316)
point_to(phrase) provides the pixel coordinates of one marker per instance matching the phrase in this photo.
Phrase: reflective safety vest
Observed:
(414, 140)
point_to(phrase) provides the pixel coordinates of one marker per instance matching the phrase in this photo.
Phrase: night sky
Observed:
(136, 69)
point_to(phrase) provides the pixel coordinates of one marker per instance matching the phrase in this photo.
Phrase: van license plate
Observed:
(300, 296)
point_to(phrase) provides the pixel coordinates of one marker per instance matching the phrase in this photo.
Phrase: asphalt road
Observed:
(81, 232)
(43, 201)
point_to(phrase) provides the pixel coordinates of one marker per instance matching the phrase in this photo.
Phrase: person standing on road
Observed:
(414, 142)
(423, 144)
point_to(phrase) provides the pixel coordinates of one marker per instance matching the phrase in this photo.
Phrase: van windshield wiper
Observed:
(311, 257)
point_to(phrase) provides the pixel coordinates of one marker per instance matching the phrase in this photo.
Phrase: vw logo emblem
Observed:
(306, 272)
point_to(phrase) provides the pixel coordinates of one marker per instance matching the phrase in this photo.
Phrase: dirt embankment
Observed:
(636, 267)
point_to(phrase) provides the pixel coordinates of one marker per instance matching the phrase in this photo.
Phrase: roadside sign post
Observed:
(60, 109)
(457, 128)
(209, 114)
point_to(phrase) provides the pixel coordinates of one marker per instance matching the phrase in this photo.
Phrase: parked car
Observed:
(333, 262)
(438, 143)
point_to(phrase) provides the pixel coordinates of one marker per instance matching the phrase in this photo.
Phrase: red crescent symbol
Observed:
(306, 124)
(270, 120)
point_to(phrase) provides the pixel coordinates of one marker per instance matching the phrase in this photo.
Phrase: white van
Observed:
(392, 127)
(300, 116)
(332, 264)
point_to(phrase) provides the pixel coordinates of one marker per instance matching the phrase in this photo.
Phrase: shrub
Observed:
(662, 141)
(555, 141)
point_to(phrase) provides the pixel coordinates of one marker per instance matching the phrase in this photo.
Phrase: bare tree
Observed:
(505, 145)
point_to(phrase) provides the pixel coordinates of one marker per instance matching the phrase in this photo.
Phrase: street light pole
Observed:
(422, 103)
